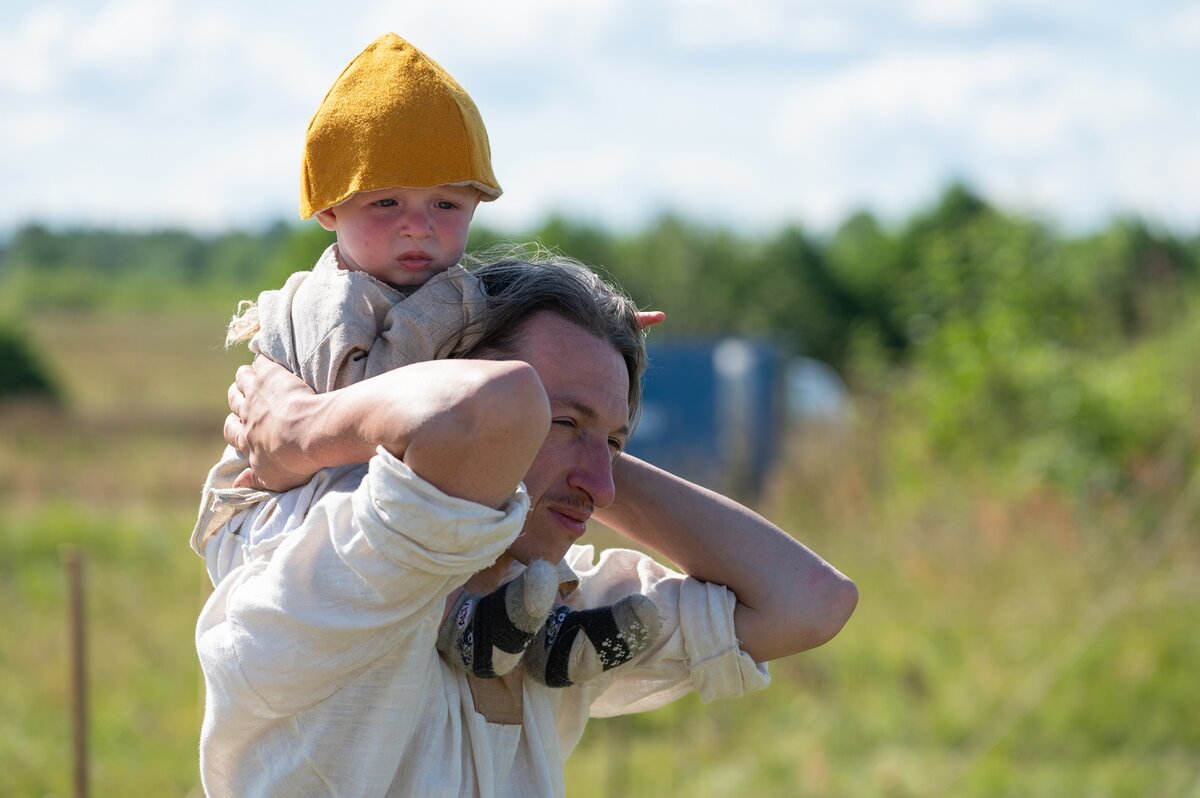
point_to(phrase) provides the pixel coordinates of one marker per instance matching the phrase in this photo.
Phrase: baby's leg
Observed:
(578, 645)
(486, 635)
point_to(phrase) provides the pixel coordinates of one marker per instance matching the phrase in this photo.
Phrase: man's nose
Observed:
(593, 474)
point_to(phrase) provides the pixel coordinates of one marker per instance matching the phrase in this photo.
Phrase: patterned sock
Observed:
(560, 656)
(486, 635)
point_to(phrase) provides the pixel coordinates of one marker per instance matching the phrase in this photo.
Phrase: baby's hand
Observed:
(648, 318)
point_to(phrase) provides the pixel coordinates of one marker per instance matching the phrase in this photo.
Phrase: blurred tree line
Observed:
(1008, 341)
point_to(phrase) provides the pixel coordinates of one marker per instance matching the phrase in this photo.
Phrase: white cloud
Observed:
(124, 37)
(1177, 29)
(949, 13)
(746, 113)
(980, 15)
(1029, 122)
(26, 68)
(781, 25)
(487, 32)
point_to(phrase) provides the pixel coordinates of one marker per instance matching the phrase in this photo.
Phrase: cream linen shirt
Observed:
(320, 668)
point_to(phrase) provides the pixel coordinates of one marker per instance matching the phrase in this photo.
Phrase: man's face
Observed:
(403, 236)
(588, 387)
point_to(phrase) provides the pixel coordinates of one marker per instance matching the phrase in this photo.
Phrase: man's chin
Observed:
(525, 554)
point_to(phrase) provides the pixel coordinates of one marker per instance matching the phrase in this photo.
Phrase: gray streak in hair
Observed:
(518, 286)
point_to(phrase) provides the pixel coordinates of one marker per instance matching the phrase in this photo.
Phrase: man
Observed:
(319, 655)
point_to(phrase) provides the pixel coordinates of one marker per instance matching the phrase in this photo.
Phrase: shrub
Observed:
(22, 374)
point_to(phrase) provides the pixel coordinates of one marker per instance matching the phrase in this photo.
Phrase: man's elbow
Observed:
(509, 409)
(841, 600)
(821, 611)
(503, 417)
(482, 440)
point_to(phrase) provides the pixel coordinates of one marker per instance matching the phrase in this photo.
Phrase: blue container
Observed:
(713, 412)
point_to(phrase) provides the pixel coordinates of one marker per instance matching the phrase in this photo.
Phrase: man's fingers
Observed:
(247, 479)
(648, 318)
(234, 397)
(233, 432)
(243, 379)
(244, 376)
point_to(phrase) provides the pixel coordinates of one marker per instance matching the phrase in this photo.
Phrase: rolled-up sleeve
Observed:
(697, 648)
(372, 561)
(420, 529)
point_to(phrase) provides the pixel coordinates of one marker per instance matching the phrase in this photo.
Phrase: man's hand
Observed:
(267, 411)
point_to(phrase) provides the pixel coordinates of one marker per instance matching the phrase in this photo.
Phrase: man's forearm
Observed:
(286, 428)
(469, 427)
(789, 599)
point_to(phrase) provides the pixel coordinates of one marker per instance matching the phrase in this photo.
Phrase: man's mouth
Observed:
(573, 519)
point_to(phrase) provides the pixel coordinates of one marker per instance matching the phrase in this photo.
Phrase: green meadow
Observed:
(1024, 648)
(1015, 489)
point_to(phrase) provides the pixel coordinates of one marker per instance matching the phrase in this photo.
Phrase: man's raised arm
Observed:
(789, 599)
(469, 427)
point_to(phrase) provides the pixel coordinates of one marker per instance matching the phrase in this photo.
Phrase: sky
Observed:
(748, 114)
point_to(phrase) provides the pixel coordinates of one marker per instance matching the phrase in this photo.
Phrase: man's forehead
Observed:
(546, 330)
(577, 368)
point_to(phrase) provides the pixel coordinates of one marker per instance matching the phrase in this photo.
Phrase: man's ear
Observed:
(327, 219)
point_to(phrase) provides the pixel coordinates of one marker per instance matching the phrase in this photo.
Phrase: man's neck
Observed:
(490, 578)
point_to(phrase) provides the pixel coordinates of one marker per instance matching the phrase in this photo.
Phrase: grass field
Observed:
(1005, 645)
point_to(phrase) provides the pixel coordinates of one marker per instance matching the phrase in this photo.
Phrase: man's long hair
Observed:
(517, 286)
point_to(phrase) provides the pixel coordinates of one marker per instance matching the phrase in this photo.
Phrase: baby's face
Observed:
(403, 236)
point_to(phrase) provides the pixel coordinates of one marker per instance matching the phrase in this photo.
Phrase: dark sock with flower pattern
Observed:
(486, 635)
(577, 645)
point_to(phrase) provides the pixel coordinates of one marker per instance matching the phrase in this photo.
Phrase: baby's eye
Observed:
(446, 205)
(385, 203)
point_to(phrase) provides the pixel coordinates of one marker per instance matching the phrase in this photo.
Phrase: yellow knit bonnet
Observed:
(393, 117)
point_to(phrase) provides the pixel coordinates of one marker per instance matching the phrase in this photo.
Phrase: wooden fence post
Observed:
(73, 565)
